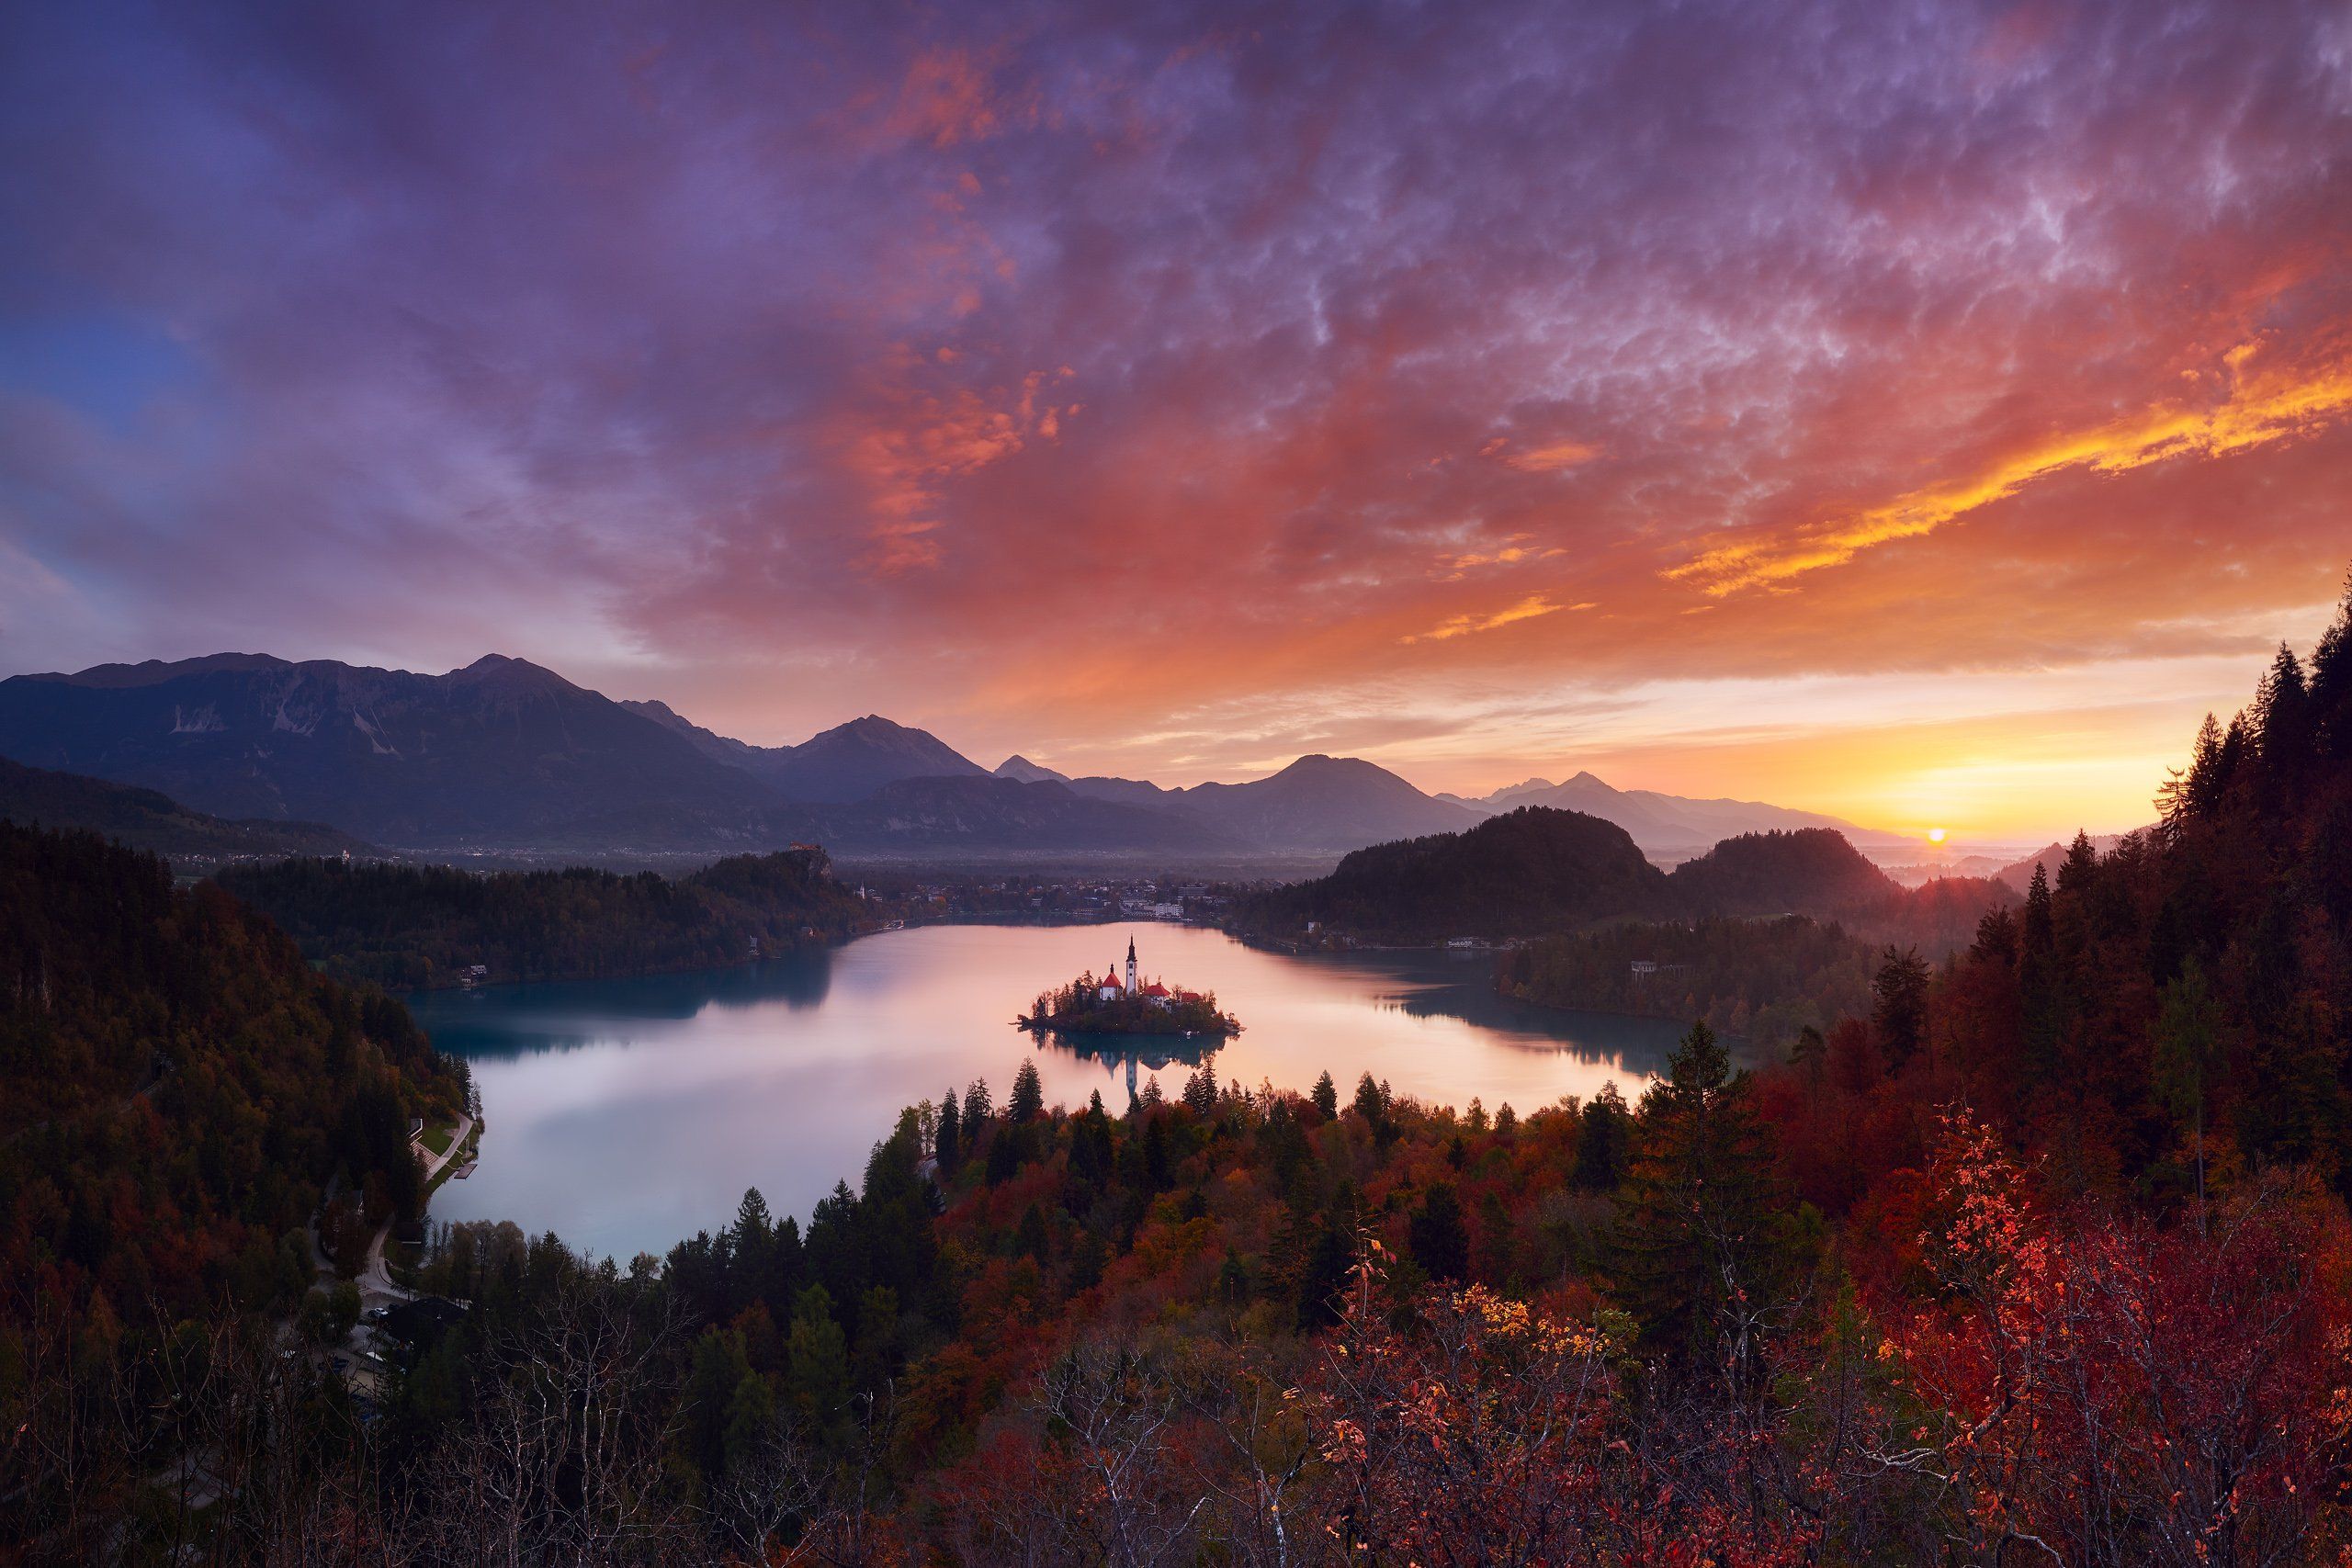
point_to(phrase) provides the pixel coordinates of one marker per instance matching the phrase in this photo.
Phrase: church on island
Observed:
(1109, 990)
(1118, 1003)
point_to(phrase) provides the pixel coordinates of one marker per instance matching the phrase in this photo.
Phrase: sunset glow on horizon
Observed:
(1922, 414)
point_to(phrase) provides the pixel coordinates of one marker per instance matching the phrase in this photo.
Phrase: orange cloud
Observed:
(2259, 409)
(905, 456)
(1510, 553)
(1552, 459)
(1527, 609)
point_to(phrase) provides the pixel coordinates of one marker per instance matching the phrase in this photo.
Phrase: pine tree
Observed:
(818, 1380)
(1200, 1089)
(2187, 1040)
(1694, 1248)
(1326, 1095)
(1004, 1155)
(1440, 1240)
(1028, 1099)
(2331, 683)
(1604, 1141)
(752, 1245)
(947, 1139)
(2282, 717)
(2188, 796)
(2080, 868)
(1156, 1169)
(2038, 978)
(1900, 1016)
(1329, 1258)
(977, 1108)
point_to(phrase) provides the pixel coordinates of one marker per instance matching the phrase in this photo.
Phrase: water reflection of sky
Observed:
(623, 1114)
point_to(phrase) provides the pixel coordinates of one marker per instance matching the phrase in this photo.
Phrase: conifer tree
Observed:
(2038, 982)
(1028, 1095)
(1326, 1095)
(1900, 1015)
(2187, 1040)
(1604, 1141)
(2282, 717)
(947, 1139)
(2188, 796)
(2080, 868)
(2331, 683)
(1695, 1255)
(1440, 1240)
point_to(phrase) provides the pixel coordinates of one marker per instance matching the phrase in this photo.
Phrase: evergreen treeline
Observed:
(414, 927)
(1763, 979)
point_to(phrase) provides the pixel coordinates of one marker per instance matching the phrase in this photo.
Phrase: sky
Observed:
(1922, 412)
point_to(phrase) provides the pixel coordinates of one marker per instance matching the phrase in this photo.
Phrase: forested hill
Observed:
(1540, 871)
(1802, 871)
(417, 927)
(176, 1089)
(1529, 870)
(145, 820)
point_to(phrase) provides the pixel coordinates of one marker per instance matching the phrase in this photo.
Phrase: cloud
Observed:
(2255, 412)
(1527, 609)
(1043, 370)
(1553, 458)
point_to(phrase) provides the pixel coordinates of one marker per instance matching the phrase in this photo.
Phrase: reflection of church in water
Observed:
(1164, 1051)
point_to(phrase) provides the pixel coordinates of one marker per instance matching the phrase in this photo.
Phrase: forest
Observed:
(1765, 979)
(414, 927)
(179, 1094)
(1762, 980)
(2034, 1253)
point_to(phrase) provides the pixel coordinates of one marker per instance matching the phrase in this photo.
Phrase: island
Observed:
(1111, 1005)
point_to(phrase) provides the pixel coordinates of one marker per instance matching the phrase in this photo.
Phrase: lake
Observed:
(625, 1115)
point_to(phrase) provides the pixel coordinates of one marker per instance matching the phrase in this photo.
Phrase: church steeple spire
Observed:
(1131, 965)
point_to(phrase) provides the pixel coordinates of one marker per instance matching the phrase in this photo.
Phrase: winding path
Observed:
(374, 1278)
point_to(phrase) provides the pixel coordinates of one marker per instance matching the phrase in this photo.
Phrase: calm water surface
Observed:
(624, 1115)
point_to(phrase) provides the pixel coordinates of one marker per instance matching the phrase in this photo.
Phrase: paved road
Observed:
(374, 1280)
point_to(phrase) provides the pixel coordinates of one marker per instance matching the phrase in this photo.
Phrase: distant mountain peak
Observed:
(501, 673)
(1020, 767)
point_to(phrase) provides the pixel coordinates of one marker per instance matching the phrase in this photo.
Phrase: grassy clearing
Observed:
(437, 1139)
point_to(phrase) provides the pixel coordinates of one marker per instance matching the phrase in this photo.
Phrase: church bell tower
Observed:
(1131, 965)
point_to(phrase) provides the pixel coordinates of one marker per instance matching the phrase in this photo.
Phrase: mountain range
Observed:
(1668, 824)
(505, 754)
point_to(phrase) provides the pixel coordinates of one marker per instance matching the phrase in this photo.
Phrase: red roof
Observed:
(1154, 990)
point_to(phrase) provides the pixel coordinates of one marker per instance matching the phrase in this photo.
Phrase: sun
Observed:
(1935, 835)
